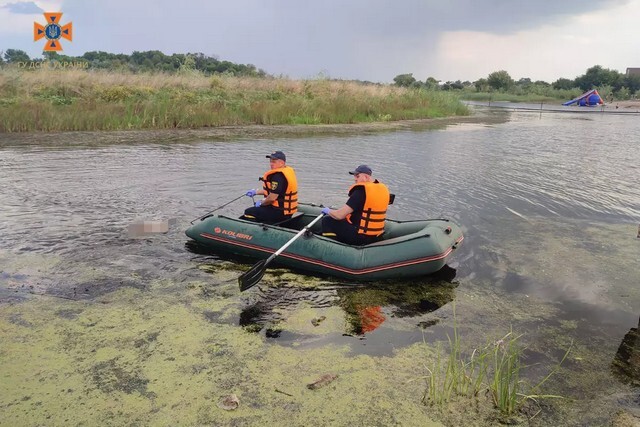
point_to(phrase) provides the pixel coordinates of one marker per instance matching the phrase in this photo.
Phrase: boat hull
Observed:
(408, 249)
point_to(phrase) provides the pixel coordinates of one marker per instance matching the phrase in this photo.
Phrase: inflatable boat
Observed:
(406, 248)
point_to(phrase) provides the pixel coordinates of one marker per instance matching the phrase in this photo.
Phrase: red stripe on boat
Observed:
(333, 266)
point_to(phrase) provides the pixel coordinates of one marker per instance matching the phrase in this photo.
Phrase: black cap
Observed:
(277, 155)
(361, 169)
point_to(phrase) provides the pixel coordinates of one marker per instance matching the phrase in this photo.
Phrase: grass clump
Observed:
(494, 370)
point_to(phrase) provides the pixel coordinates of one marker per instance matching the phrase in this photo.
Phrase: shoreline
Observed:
(222, 133)
(624, 104)
(225, 133)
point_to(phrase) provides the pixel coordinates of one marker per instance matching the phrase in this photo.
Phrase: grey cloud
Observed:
(398, 19)
(25, 8)
(365, 39)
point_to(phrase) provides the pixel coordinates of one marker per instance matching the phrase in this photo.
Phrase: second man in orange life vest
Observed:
(361, 220)
(280, 188)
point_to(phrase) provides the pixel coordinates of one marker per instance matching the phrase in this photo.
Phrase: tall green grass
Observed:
(553, 97)
(495, 369)
(454, 376)
(76, 100)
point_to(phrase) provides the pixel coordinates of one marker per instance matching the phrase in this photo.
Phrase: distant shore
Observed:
(635, 104)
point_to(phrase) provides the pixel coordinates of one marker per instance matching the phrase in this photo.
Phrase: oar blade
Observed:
(252, 277)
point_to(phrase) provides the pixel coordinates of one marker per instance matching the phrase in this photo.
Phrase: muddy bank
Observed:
(223, 132)
(630, 104)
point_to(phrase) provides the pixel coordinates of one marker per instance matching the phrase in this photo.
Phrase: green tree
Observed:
(633, 83)
(500, 80)
(404, 80)
(431, 83)
(15, 55)
(524, 82)
(597, 76)
(481, 85)
(564, 84)
(453, 85)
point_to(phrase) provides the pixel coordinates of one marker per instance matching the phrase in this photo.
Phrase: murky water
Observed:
(550, 206)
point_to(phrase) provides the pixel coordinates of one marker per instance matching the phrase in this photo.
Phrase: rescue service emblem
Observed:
(53, 31)
(274, 185)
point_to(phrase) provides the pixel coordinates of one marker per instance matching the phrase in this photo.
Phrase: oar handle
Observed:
(300, 233)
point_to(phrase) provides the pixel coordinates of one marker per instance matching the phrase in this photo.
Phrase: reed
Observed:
(505, 382)
(75, 100)
(455, 376)
(495, 369)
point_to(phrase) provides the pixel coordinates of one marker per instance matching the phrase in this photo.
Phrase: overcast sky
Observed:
(371, 40)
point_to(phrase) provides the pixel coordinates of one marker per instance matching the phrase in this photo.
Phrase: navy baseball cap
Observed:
(361, 169)
(277, 155)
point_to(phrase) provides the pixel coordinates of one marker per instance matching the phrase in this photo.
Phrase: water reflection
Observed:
(366, 307)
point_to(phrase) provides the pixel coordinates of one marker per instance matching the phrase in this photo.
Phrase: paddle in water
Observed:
(255, 273)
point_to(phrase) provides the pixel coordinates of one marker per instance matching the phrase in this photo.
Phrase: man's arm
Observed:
(269, 199)
(356, 201)
(341, 213)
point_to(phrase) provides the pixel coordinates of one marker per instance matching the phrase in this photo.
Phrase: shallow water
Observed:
(550, 207)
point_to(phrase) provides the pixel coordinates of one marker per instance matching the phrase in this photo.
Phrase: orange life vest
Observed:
(288, 201)
(374, 211)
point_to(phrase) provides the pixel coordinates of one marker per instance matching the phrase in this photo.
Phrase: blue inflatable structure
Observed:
(587, 99)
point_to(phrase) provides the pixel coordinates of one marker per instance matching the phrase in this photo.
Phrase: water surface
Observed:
(549, 203)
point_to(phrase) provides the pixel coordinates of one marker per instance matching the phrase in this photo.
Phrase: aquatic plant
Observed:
(454, 376)
(505, 381)
(495, 368)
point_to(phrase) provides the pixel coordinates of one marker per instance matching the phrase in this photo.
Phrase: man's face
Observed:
(360, 177)
(276, 163)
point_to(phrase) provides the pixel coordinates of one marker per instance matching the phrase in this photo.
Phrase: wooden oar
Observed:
(253, 276)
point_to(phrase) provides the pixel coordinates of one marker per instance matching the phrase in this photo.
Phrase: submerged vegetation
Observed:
(55, 99)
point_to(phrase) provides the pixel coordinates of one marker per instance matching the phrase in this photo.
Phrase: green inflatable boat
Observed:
(406, 249)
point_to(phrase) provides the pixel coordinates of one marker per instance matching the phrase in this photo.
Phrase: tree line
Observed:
(148, 61)
(608, 81)
(617, 84)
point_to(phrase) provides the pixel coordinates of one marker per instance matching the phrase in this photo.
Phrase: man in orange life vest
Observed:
(280, 188)
(361, 220)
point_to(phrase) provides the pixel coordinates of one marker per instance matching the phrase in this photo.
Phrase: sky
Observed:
(371, 40)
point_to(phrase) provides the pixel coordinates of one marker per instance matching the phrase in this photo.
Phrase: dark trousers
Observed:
(264, 214)
(345, 232)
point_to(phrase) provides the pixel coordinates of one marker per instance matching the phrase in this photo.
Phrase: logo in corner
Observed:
(53, 31)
